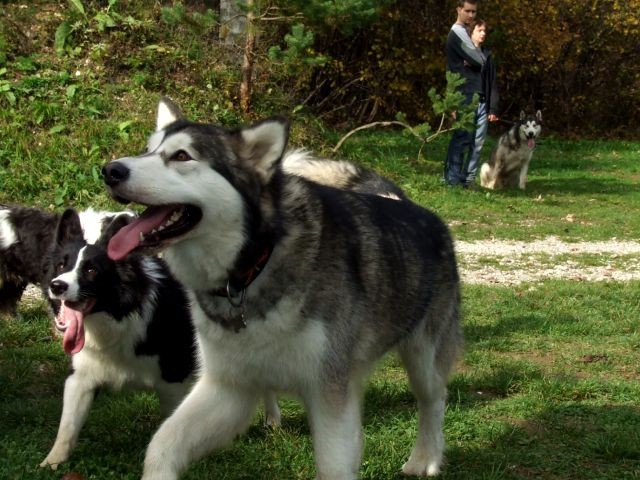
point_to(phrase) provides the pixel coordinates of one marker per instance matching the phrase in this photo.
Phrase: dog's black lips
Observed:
(85, 305)
(190, 216)
(154, 228)
(118, 198)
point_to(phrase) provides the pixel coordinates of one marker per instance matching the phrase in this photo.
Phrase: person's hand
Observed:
(454, 115)
(492, 117)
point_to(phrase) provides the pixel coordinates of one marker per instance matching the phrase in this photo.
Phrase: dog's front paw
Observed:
(51, 463)
(56, 457)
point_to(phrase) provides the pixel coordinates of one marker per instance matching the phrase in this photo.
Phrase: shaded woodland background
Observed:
(352, 61)
(577, 61)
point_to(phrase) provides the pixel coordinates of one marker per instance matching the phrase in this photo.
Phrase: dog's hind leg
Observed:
(271, 410)
(484, 175)
(210, 417)
(10, 294)
(336, 427)
(429, 386)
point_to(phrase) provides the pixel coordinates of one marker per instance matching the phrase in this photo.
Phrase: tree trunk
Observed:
(233, 24)
(247, 60)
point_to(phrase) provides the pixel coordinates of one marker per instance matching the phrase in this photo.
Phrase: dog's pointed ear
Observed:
(168, 112)
(522, 115)
(119, 221)
(69, 227)
(539, 116)
(262, 144)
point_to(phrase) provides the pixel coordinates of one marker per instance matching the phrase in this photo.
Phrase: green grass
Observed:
(577, 190)
(549, 387)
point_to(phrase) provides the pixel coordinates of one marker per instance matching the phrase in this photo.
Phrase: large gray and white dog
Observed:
(508, 164)
(296, 287)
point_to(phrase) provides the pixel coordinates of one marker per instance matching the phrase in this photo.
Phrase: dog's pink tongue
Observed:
(73, 340)
(531, 143)
(128, 237)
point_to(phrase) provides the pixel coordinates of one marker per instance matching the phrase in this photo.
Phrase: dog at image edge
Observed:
(296, 287)
(508, 164)
(26, 235)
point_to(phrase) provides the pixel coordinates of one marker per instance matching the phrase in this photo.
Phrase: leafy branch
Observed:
(451, 105)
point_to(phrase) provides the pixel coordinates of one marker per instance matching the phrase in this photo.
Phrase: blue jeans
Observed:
(482, 125)
(460, 145)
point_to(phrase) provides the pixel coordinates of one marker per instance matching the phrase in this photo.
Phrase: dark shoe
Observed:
(471, 186)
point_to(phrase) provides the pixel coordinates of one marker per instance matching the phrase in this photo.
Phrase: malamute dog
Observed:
(296, 287)
(509, 161)
(26, 234)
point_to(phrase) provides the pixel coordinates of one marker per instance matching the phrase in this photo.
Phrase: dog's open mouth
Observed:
(70, 321)
(155, 227)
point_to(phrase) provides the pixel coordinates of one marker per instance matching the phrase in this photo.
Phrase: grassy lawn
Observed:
(549, 384)
(548, 388)
(577, 190)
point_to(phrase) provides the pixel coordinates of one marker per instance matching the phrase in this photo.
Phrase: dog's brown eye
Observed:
(61, 267)
(91, 273)
(181, 156)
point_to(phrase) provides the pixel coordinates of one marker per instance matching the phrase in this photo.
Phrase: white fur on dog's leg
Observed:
(337, 436)
(272, 416)
(426, 458)
(77, 400)
(420, 464)
(485, 172)
(209, 417)
(430, 390)
(523, 175)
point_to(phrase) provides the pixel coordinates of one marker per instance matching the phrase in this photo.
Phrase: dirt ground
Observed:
(503, 262)
(513, 262)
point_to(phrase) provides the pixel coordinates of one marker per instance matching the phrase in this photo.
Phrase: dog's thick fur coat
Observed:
(508, 164)
(296, 286)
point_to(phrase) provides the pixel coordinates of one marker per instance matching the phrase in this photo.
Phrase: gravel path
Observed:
(513, 262)
(504, 262)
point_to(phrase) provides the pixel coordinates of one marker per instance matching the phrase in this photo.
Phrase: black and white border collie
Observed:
(26, 234)
(126, 324)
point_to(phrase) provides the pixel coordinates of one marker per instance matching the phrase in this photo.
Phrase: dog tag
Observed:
(236, 318)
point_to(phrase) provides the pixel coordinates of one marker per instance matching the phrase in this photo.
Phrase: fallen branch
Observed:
(375, 124)
(423, 140)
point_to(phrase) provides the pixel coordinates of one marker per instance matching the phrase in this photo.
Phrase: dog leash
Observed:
(508, 122)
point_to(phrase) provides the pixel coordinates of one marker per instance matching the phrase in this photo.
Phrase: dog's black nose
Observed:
(58, 287)
(114, 173)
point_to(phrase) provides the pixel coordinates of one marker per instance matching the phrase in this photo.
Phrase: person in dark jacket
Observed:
(464, 58)
(488, 103)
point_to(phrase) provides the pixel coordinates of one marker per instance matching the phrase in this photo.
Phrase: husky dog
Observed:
(26, 235)
(296, 287)
(509, 161)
